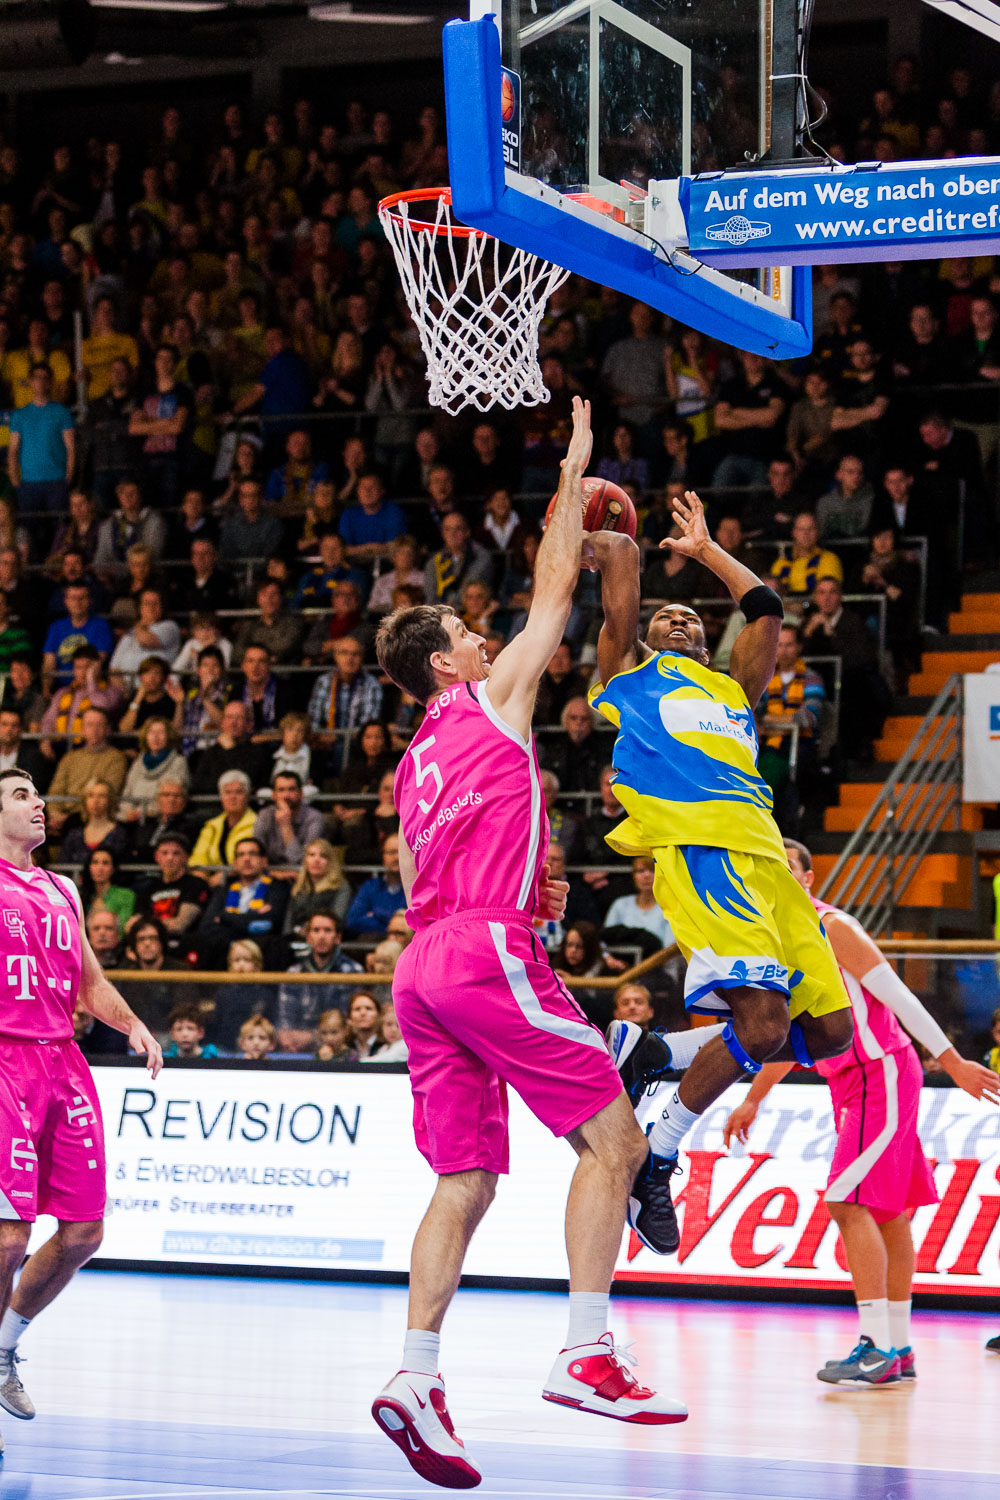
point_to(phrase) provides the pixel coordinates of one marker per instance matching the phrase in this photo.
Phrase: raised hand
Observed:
(689, 514)
(580, 444)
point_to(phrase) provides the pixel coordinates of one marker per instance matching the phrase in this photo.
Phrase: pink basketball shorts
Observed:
(879, 1161)
(51, 1133)
(479, 1007)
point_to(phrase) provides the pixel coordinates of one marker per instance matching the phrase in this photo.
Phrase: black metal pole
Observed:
(787, 86)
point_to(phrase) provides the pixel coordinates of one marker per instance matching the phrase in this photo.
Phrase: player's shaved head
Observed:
(677, 627)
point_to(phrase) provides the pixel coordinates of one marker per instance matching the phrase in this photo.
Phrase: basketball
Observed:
(506, 99)
(606, 507)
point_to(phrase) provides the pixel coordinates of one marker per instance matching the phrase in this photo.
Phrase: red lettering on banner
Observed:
(696, 1196)
(983, 1226)
(756, 1217)
(803, 1257)
(944, 1218)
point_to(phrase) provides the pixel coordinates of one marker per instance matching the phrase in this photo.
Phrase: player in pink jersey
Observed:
(479, 1005)
(879, 1173)
(51, 1134)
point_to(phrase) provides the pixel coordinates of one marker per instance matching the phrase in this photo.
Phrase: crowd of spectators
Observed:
(213, 493)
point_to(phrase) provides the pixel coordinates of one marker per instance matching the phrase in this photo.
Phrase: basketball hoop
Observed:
(476, 303)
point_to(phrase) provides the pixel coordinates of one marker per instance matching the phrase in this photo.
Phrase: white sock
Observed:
(899, 1324)
(671, 1128)
(12, 1325)
(588, 1318)
(874, 1320)
(421, 1351)
(685, 1045)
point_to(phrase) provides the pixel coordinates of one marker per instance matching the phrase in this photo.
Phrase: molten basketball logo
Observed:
(507, 100)
(614, 510)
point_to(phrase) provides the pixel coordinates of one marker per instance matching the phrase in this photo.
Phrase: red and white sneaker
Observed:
(412, 1411)
(597, 1378)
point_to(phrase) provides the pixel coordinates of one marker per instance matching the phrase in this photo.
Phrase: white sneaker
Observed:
(412, 1411)
(13, 1397)
(597, 1378)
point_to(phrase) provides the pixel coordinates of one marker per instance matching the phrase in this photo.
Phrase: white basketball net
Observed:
(477, 306)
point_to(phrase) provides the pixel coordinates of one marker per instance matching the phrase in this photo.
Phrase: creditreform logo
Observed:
(737, 230)
(995, 721)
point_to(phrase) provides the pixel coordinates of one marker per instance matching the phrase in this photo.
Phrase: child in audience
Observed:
(393, 1048)
(384, 957)
(331, 1037)
(257, 1039)
(293, 754)
(187, 1034)
(235, 1002)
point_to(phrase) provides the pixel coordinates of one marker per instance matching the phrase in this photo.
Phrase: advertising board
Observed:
(317, 1171)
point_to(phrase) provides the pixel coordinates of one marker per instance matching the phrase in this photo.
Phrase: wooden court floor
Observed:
(154, 1386)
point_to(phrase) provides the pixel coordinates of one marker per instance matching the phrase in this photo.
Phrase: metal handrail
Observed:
(882, 856)
(189, 976)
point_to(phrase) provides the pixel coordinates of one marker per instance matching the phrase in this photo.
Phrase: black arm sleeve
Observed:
(761, 601)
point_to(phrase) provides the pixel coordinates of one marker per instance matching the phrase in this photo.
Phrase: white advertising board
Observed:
(318, 1170)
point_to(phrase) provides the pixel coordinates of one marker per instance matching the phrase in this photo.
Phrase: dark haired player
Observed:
(479, 1005)
(686, 774)
(51, 1134)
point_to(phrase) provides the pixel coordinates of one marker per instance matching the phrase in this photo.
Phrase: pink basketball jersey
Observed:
(470, 804)
(41, 960)
(876, 1029)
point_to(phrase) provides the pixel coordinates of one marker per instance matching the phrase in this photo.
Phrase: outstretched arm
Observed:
(738, 1125)
(857, 954)
(755, 649)
(516, 672)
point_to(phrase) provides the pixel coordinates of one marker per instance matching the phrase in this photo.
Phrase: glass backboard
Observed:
(636, 90)
(571, 123)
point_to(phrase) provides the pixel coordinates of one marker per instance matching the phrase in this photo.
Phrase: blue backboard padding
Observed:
(482, 199)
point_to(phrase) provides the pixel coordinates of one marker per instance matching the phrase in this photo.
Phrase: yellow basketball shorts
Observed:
(743, 919)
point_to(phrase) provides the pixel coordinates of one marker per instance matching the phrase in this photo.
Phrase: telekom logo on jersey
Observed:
(22, 970)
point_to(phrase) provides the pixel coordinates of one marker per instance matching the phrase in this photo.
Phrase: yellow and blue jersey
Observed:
(686, 760)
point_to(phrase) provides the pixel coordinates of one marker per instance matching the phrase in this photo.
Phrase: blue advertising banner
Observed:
(869, 212)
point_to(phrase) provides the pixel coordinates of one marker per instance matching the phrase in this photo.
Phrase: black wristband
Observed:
(759, 602)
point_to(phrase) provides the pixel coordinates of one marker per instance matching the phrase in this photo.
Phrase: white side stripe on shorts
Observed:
(7, 1209)
(529, 1003)
(853, 1176)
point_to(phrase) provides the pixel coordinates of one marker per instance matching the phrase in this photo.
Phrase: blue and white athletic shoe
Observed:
(865, 1365)
(642, 1058)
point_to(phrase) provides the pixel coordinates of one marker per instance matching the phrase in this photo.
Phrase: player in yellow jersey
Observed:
(686, 773)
